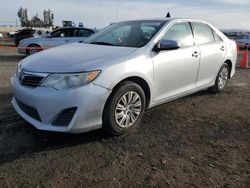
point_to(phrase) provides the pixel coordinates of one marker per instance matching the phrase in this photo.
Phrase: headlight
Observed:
(19, 68)
(64, 81)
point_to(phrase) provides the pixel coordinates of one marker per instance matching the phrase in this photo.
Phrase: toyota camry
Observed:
(116, 74)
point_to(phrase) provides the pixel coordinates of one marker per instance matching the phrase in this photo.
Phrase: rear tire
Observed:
(124, 108)
(221, 79)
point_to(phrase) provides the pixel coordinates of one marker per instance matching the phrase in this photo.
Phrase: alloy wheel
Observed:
(223, 77)
(33, 50)
(128, 109)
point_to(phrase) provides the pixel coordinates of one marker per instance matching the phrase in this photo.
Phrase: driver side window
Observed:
(181, 33)
(61, 33)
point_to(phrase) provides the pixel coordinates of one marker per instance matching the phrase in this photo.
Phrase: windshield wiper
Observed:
(103, 43)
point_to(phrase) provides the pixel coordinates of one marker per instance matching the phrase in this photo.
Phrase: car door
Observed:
(175, 71)
(59, 37)
(213, 51)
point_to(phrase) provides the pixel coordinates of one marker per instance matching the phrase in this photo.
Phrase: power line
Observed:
(117, 10)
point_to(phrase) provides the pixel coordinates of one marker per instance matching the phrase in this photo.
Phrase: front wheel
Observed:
(124, 109)
(33, 48)
(221, 79)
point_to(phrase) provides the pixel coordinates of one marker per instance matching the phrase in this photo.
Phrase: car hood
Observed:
(75, 57)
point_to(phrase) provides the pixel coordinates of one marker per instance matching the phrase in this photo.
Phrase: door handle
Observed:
(195, 54)
(222, 48)
(66, 41)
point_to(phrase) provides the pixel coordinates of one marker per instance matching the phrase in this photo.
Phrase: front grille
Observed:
(64, 117)
(32, 112)
(32, 81)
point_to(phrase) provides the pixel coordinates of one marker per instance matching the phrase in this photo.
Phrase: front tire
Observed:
(221, 79)
(124, 108)
(33, 48)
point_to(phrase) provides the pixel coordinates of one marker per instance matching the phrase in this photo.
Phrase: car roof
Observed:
(81, 28)
(148, 19)
(27, 29)
(169, 19)
(70, 27)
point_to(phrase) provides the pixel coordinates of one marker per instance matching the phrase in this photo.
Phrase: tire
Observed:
(33, 48)
(221, 79)
(121, 115)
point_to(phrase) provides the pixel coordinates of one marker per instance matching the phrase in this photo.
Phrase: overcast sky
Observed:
(225, 14)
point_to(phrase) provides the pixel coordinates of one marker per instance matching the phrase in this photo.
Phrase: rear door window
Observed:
(203, 33)
(82, 33)
(62, 33)
(217, 38)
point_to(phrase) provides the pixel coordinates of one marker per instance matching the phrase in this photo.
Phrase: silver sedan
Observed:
(58, 37)
(118, 73)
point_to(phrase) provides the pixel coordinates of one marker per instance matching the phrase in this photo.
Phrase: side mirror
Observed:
(166, 45)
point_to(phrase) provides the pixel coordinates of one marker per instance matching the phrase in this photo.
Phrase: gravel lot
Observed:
(202, 140)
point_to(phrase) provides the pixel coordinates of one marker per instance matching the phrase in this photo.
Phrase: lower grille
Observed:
(32, 81)
(65, 117)
(32, 112)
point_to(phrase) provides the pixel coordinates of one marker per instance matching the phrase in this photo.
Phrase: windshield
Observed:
(127, 34)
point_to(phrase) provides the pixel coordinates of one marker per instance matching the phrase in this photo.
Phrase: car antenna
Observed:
(168, 15)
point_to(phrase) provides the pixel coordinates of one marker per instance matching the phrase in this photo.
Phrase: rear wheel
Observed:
(33, 48)
(221, 79)
(124, 109)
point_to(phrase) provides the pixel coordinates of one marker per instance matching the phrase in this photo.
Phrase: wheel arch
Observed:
(32, 45)
(229, 62)
(144, 85)
(138, 80)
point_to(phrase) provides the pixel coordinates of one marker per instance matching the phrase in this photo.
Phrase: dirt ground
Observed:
(202, 140)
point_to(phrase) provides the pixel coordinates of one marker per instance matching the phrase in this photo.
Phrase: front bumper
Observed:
(88, 100)
(21, 49)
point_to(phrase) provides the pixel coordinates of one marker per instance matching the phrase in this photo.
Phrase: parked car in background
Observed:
(232, 36)
(58, 37)
(1, 37)
(23, 34)
(243, 41)
(116, 74)
(11, 34)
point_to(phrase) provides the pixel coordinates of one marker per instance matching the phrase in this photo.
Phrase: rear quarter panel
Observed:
(231, 49)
